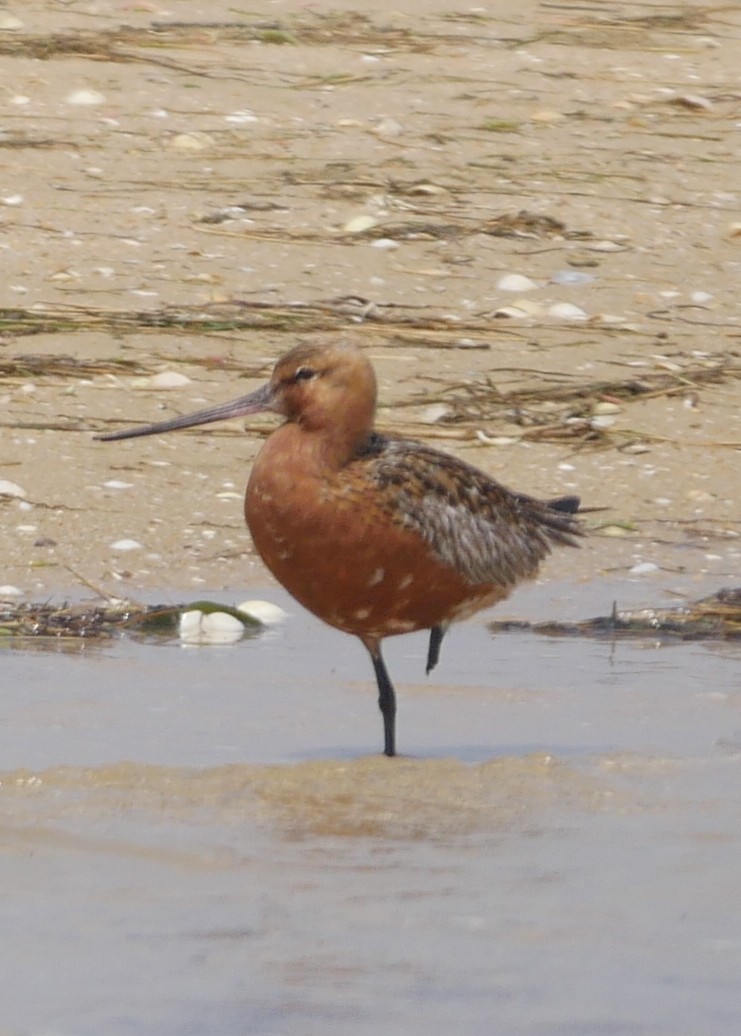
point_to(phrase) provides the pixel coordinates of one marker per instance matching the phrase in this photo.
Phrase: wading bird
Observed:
(375, 534)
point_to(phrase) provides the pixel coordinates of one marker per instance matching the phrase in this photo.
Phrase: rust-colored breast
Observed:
(401, 538)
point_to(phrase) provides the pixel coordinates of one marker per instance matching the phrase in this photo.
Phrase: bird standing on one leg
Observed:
(375, 534)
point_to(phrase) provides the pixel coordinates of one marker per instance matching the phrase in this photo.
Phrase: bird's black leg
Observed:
(433, 652)
(386, 698)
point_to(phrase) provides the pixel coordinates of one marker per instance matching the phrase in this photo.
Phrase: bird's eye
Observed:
(304, 374)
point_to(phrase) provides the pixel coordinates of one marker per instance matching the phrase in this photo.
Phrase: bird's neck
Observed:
(316, 450)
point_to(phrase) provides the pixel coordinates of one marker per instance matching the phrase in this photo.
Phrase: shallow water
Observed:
(204, 840)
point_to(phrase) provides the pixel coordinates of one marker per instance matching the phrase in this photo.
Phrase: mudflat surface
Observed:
(187, 189)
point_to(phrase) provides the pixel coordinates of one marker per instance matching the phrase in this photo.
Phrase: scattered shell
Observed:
(566, 311)
(547, 116)
(436, 412)
(643, 568)
(115, 483)
(614, 530)
(12, 199)
(470, 343)
(510, 311)
(495, 440)
(388, 128)
(241, 117)
(168, 380)
(385, 242)
(605, 407)
(697, 496)
(212, 628)
(636, 447)
(701, 296)
(124, 545)
(85, 98)
(266, 612)
(578, 259)
(358, 224)
(427, 188)
(694, 102)
(191, 142)
(516, 282)
(601, 422)
(609, 319)
(522, 307)
(11, 489)
(572, 277)
(605, 246)
(10, 591)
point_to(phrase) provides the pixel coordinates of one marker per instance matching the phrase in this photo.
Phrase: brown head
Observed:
(327, 388)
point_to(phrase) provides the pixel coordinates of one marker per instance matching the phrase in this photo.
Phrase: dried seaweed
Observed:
(558, 406)
(87, 621)
(351, 29)
(33, 365)
(717, 617)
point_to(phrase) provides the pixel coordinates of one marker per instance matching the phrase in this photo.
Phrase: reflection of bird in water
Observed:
(377, 535)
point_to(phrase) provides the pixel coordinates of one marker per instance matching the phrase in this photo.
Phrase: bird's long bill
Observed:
(253, 403)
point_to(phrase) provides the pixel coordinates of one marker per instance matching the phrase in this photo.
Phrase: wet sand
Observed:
(214, 829)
